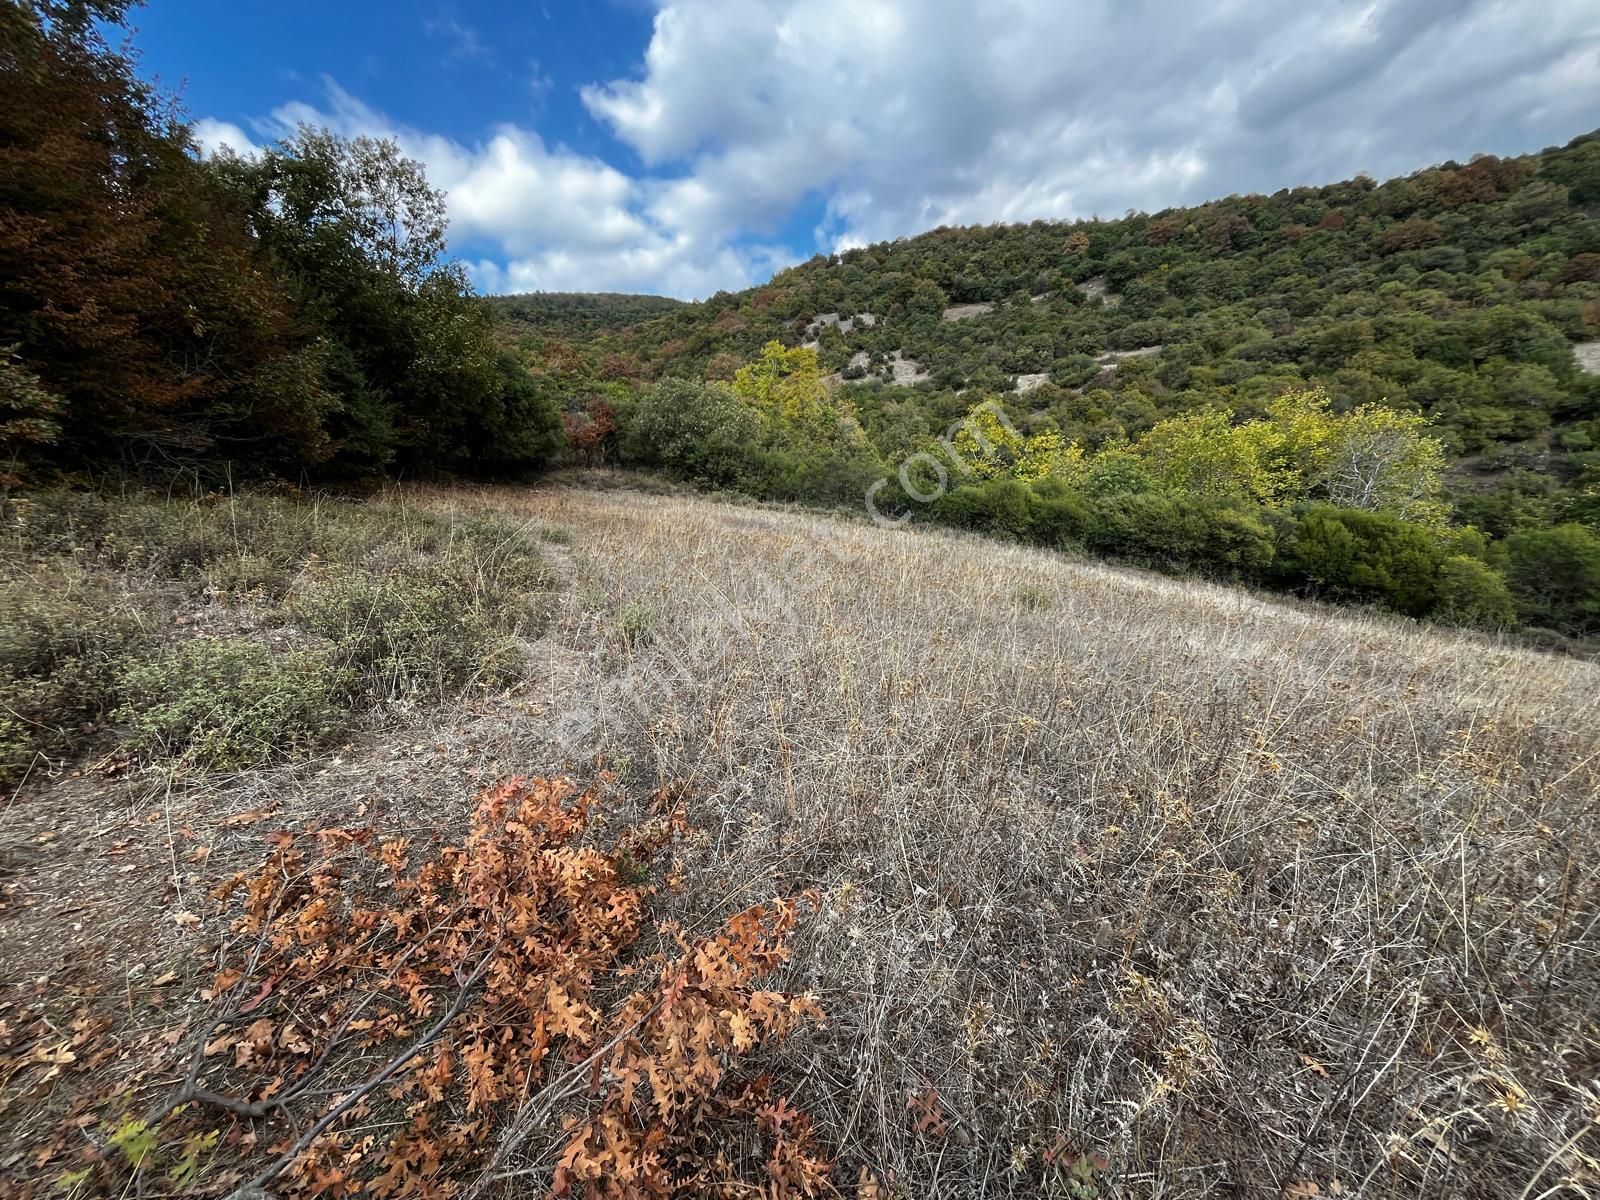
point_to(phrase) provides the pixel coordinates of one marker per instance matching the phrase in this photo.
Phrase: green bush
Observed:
(404, 636)
(1228, 538)
(63, 646)
(231, 702)
(1554, 574)
(1061, 517)
(1474, 594)
(1002, 507)
(1143, 527)
(697, 431)
(1368, 557)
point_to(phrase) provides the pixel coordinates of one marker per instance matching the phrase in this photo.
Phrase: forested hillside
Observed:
(577, 314)
(1453, 316)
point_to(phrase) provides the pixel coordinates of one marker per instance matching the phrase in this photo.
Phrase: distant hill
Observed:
(577, 314)
(1470, 292)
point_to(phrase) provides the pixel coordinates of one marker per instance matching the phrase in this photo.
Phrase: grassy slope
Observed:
(1221, 887)
(1235, 892)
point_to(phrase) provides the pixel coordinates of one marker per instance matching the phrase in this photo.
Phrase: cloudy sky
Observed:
(684, 146)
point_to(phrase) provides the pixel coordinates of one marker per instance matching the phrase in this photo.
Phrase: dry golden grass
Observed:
(1250, 898)
(1247, 896)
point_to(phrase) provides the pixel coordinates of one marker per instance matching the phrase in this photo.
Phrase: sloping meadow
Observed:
(1098, 883)
(1129, 885)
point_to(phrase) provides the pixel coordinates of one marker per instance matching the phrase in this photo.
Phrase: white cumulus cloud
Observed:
(909, 113)
(898, 115)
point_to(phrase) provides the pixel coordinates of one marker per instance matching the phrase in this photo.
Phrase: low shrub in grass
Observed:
(63, 644)
(406, 602)
(404, 636)
(231, 702)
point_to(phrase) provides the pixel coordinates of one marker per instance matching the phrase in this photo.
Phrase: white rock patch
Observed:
(1113, 357)
(962, 312)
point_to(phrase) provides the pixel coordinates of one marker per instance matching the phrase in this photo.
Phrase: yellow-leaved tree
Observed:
(1384, 461)
(784, 385)
(1374, 458)
(1205, 454)
(987, 445)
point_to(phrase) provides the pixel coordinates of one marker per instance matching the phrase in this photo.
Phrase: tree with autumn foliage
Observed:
(288, 312)
(132, 290)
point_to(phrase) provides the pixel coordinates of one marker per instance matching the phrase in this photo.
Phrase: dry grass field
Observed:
(1127, 886)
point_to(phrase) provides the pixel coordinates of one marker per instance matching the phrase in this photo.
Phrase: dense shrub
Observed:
(1368, 557)
(1061, 517)
(1472, 593)
(63, 645)
(1003, 507)
(1143, 527)
(698, 431)
(1555, 576)
(231, 702)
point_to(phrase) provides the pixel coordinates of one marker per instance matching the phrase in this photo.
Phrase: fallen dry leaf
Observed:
(246, 818)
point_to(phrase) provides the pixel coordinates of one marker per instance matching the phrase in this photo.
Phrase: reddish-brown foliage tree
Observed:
(1581, 268)
(589, 433)
(130, 287)
(1415, 234)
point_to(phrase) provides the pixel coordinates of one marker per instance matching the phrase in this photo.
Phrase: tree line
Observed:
(1345, 505)
(292, 313)
(1455, 300)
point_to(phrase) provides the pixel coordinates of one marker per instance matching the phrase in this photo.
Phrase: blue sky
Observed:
(681, 146)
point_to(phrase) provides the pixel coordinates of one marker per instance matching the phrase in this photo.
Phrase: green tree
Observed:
(359, 231)
(1372, 557)
(1555, 576)
(699, 431)
(1472, 593)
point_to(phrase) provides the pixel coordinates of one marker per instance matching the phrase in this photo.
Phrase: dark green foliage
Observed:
(1472, 593)
(1002, 507)
(1061, 517)
(809, 472)
(1368, 557)
(1555, 577)
(359, 234)
(1187, 533)
(576, 314)
(701, 432)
